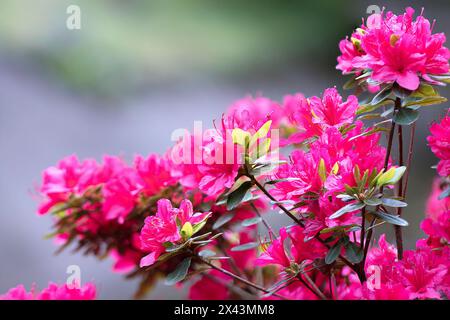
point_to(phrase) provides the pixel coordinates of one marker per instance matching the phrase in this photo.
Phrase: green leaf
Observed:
(353, 252)
(198, 226)
(427, 101)
(282, 180)
(444, 194)
(425, 90)
(393, 203)
(368, 133)
(240, 137)
(398, 174)
(245, 246)
(405, 116)
(251, 221)
(391, 177)
(389, 218)
(382, 95)
(222, 220)
(401, 92)
(442, 77)
(345, 197)
(368, 107)
(333, 253)
(387, 112)
(179, 273)
(236, 197)
(206, 253)
(175, 248)
(351, 83)
(372, 202)
(348, 208)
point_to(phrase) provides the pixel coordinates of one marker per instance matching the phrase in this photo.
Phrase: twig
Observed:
(238, 278)
(264, 221)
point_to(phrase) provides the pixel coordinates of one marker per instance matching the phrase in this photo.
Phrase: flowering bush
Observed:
(196, 216)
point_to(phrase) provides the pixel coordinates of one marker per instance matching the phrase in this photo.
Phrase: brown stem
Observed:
(398, 230)
(264, 221)
(288, 213)
(363, 227)
(355, 268)
(410, 155)
(311, 286)
(238, 278)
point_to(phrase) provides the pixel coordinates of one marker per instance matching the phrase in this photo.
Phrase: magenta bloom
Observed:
(252, 113)
(154, 173)
(52, 292)
(398, 49)
(439, 141)
(275, 253)
(69, 177)
(165, 226)
(331, 110)
(313, 116)
(120, 195)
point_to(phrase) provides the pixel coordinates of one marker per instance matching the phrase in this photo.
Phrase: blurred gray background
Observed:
(136, 71)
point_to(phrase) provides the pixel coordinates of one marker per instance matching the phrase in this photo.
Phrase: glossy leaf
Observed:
(348, 208)
(179, 273)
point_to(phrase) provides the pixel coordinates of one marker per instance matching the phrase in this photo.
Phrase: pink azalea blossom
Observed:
(208, 289)
(275, 253)
(69, 177)
(313, 116)
(163, 227)
(439, 141)
(154, 173)
(331, 110)
(398, 49)
(251, 113)
(120, 195)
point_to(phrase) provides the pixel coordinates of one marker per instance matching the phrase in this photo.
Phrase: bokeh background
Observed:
(136, 71)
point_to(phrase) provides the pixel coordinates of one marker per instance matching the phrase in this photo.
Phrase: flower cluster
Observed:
(398, 49)
(197, 214)
(52, 292)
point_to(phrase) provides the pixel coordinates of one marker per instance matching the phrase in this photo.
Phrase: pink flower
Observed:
(120, 195)
(207, 162)
(69, 177)
(389, 291)
(434, 206)
(162, 228)
(439, 141)
(251, 113)
(384, 257)
(437, 223)
(421, 272)
(18, 293)
(208, 289)
(52, 292)
(331, 110)
(220, 164)
(303, 249)
(275, 253)
(349, 51)
(398, 49)
(154, 173)
(314, 115)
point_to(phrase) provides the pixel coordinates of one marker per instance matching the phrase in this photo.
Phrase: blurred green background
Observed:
(136, 71)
